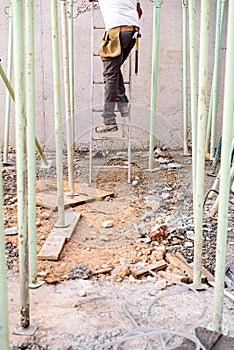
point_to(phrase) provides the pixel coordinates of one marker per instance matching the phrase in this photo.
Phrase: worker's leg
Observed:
(111, 69)
(127, 43)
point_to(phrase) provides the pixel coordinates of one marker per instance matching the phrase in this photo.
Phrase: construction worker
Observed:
(121, 18)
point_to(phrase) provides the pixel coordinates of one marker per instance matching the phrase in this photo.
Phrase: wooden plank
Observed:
(183, 266)
(173, 276)
(159, 265)
(52, 246)
(95, 193)
(57, 238)
(50, 200)
(205, 272)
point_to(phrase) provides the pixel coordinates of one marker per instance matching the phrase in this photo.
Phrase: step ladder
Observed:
(125, 124)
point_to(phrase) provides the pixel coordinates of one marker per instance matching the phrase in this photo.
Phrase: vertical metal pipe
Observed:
(4, 329)
(227, 135)
(218, 37)
(30, 115)
(154, 78)
(193, 88)
(185, 74)
(201, 129)
(18, 46)
(69, 132)
(71, 64)
(8, 97)
(91, 93)
(57, 112)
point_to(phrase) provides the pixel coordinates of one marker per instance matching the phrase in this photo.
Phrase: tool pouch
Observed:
(110, 44)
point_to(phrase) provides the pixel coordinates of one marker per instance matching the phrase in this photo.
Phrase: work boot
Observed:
(123, 109)
(101, 129)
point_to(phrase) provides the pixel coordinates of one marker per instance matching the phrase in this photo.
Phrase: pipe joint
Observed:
(184, 3)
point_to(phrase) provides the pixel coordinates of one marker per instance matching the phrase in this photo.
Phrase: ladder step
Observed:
(110, 138)
(110, 166)
(101, 82)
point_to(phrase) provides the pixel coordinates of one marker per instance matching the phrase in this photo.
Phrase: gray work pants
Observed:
(114, 89)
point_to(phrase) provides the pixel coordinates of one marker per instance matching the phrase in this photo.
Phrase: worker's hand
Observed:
(139, 9)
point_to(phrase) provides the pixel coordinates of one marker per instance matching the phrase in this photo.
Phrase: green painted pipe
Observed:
(154, 79)
(4, 329)
(30, 115)
(69, 127)
(226, 153)
(71, 64)
(20, 120)
(11, 92)
(57, 113)
(218, 38)
(193, 86)
(185, 75)
(201, 130)
(8, 97)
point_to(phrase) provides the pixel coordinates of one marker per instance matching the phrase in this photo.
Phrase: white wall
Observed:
(169, 125)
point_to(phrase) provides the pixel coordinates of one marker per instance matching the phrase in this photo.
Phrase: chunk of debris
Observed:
(80, 271)
(159, 232)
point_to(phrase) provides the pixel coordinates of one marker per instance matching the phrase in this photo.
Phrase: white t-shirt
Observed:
(119, 13)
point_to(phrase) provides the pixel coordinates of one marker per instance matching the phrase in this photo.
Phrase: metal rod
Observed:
(91, 95)
(193, 87)
(57, 113)
(218, 38)
(30, 115)
(69, 127)
(201, 129)
(129, 119)
(18, 47)
(226, 152)
(71, 64)
(185, 75)
(8, 97)
(154, 78)
(4, 329)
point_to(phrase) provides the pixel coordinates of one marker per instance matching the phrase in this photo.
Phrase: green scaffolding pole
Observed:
(193, 87)
(71, 64)
(66, 70)
(30, 115)
(18, 46)
(8, 97)
(57, 113)
(227, 136)
(185, 75)
(201, 130)
(154, 79)
(4, 329)
(211, 127)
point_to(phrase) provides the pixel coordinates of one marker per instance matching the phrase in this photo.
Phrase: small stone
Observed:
(108, 223)
(75, 305)
(82, 293)
(190, 235)
(160, 285)
(135, 182)
(188, 244)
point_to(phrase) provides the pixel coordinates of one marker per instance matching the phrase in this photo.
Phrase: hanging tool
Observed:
(136, 36)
